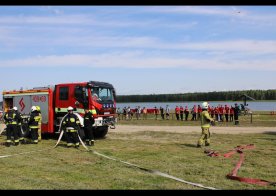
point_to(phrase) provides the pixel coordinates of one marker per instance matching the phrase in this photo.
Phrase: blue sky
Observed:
(139, 49)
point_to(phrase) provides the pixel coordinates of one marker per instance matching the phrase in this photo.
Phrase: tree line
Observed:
(200, 96)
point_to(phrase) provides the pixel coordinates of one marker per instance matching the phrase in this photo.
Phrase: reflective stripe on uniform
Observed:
(37, 118)
(94, 111)
(71, 130)
(79, 110)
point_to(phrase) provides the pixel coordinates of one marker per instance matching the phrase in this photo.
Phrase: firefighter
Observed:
(33, 124)
(11, 120)
(236, 114)
(205, 125)
(88, 127)
(19, 124)
(39, 123)
(94, 112)
(71, 124)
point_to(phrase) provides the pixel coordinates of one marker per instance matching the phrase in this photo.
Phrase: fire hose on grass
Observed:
(133, 165)
(114, 159)
(233, 174)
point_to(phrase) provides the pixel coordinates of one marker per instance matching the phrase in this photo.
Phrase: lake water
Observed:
(254, 105)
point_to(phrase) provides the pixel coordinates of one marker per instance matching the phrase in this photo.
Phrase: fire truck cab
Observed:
(54, 101)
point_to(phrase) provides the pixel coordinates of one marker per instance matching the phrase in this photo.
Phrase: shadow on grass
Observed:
(270, 133)
(63, 146)
(189, 145)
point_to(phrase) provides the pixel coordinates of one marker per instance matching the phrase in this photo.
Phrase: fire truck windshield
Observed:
(102, 94)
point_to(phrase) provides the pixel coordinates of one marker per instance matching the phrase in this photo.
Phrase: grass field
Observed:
(171, 153)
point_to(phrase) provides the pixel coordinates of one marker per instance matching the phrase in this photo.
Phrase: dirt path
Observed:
(189, 129)
(186, 129)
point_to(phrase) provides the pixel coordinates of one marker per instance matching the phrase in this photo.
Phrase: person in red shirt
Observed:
(216, 112)
(199, 110)
(186, 111)
(231, 113)
(181, 112)
(227, 109)
(177, 112)
(212, 111)
(221, 113)
(194, 112)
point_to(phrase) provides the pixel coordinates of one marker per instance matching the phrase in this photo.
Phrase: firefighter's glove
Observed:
(213, 123)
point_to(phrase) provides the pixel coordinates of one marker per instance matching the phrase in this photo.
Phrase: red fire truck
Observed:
(54, 101)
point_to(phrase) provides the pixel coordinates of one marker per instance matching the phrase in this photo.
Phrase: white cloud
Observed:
(89, 19)
(137, 60)
(198, 10)
(236, 13)
(75, 39)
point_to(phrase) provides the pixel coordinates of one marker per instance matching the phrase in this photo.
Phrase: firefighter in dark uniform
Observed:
(33, 124)
(11, 120)
(20, 134)
(236, 114)
(71, 124)
(88, 128)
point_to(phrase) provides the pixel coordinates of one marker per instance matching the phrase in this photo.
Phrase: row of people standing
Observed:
(71, 124)
(219, 113)
(13, 120)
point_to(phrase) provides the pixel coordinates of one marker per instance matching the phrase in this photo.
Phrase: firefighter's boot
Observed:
(8, 144)
(77, 145)
(22, 141)
(198, 146)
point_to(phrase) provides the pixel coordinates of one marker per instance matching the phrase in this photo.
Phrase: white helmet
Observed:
(70, 108)
(205, 105)
(14, 108)
(33, 108)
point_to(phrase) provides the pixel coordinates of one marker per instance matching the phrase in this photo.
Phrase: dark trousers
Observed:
(34, 134)
(181, 115)
(12, 131)
(236, 118)
(194, 116)
(177, 116)
(72, 138)
(186, 115)
(163, 116)
(89, 133)
(226, 117)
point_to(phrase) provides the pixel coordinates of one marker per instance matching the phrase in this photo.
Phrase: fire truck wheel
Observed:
(100, 132)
